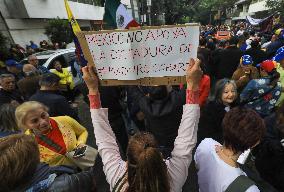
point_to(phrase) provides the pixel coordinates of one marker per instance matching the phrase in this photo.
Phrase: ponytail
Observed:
(147, 171)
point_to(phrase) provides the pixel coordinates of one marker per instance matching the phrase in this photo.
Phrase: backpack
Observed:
(240, 184)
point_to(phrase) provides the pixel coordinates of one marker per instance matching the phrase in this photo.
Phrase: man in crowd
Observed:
(279, 42)
(240, 32)
(50, 96)
(206, 53)
(163, 112)
(32, 59)
(15, 68)
(256, 53)
(245, 72)
(226, 61)
(8, 92)
(30, 84)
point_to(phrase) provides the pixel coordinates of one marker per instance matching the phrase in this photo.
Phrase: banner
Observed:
(255, 22)
(143, 53)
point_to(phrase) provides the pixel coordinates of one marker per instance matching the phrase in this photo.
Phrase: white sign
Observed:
(135, 54)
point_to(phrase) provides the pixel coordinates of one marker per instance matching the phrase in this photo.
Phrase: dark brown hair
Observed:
(19, 158)
(7, 118)
(147, 171)
(242, 129)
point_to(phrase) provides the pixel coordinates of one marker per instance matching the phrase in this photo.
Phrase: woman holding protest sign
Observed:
(145, 169)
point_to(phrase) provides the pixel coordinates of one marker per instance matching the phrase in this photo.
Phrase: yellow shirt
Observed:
(65, 76)
(280, 70)
(73, 134)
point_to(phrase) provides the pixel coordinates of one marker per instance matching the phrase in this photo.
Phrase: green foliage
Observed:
(59, 30)
(182, 11)
(215, 5)
(205, 9)
(175, 11)
(3, 47)
(276, 6)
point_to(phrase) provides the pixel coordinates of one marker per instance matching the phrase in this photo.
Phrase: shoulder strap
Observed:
(120, 183)
(50, 143)
(240, 184)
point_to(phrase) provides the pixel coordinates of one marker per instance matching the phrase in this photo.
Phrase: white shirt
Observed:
(214, 174)
(240, 32)
(177, 165)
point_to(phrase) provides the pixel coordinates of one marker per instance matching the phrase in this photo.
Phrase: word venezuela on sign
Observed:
(139, 53)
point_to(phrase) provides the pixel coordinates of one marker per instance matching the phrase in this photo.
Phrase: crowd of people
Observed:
(147, 137)
(17, 52)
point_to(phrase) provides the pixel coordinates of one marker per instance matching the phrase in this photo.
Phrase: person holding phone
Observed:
(55, 135)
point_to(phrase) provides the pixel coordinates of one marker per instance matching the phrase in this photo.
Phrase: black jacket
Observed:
(270, 155)
(206, 53)
(57, 104)
(273, 47)
(7, 97)
(66, 180)
(162, 116)
(257, 55)
(226, 62)
(210, 122)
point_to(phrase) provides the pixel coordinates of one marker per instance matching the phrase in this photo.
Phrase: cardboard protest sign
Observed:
(131, 56)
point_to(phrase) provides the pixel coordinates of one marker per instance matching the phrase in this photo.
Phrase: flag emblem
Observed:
(120, 21)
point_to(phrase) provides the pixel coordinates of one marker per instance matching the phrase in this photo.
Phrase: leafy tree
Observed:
(206, 8)
(175, 11)
(59, 30)
(276, 6)
(4, 53)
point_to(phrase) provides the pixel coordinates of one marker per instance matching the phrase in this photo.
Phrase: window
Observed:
(61, 59)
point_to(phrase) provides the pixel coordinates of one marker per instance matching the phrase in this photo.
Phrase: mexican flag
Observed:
(117, 16)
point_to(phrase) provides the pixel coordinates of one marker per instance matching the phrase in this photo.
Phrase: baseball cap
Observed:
(246, 60)
(279, 54)
(267, 65)
(12, 63)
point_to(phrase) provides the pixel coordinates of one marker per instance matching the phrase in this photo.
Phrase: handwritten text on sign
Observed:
(135, 54)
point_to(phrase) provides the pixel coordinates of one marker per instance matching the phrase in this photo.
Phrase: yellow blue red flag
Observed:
(75, 29)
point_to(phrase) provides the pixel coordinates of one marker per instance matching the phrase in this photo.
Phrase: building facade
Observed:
(243, 8)
(25, 20)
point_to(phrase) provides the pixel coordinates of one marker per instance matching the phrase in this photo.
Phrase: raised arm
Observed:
(187, 134)
(114, 166)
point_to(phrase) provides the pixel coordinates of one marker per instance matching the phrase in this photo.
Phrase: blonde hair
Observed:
(23, 109)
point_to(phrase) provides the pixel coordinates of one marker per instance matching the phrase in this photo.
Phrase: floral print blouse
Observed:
(265, 104)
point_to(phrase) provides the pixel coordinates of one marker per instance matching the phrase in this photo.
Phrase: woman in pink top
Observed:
(145, 170)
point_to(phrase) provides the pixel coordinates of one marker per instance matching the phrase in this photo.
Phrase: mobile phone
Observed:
(80, 152)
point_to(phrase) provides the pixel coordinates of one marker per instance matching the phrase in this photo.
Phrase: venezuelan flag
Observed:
(75, 29)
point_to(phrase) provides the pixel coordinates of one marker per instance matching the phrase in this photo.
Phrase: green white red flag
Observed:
(116, 15)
